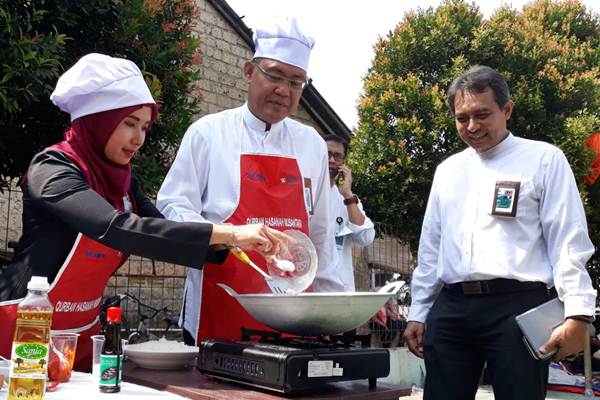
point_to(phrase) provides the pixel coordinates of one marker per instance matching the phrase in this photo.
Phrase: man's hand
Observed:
(413, 334)
(346, 186)
(569, 338)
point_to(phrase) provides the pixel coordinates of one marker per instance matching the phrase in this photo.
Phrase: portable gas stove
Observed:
(292, 364)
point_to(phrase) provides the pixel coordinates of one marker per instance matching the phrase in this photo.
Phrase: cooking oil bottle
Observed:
(30, 349)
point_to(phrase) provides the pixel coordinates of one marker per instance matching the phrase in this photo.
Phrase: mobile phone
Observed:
(339, 179)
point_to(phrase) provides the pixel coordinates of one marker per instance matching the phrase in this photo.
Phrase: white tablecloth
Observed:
(81, 384)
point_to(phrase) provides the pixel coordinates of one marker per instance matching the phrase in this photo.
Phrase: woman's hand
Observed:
(259, 237)
(253, 237)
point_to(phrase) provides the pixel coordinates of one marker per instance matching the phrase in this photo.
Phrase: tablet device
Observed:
(537, 325)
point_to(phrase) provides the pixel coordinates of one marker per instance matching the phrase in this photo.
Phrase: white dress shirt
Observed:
(346, 235)
(203, 184)
(546, 241)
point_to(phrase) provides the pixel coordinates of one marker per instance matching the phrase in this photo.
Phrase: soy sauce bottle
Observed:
(111, 358)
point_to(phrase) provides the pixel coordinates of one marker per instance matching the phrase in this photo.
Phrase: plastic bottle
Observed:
(111, 358)
(30, 350)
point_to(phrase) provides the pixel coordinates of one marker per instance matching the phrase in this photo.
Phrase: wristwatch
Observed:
(351, 200)
(583, 318)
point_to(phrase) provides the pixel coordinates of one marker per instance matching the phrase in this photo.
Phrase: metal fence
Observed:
(156, 284)
(387, 258)
(11, 206)
(160, 285)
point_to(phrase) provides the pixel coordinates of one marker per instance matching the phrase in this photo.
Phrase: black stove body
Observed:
(292, 364)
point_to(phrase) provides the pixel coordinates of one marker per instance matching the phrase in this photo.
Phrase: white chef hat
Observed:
(283, 40)
(99, 83)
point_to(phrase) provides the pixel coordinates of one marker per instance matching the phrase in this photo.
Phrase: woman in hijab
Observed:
(84, 210)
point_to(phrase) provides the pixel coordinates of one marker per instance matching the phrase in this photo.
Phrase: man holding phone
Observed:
(351, 225)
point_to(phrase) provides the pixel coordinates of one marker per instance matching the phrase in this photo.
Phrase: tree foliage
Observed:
(40, 39)
(549, 54)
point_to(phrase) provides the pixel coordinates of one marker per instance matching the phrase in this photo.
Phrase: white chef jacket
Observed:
(203, 184)
(347, 234)
(546, 241)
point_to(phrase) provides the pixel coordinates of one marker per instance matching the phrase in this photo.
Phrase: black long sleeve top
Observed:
(58, 204)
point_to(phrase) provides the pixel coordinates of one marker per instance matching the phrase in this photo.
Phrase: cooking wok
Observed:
(314, 314)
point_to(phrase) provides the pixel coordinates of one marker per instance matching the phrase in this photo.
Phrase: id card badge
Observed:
(339, 242)
(506, 197)
(308, 197)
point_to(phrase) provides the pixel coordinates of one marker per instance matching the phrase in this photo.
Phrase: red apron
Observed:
(271, 192)
(76, 294)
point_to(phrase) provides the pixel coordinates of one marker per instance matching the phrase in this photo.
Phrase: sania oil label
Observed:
(30, 360)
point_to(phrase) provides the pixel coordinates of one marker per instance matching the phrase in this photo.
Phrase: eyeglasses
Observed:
(336, 156)
(295, 84)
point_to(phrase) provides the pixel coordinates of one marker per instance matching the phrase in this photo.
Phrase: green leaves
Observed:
(157, 35)
(29, 65)
(548, 52)
(39, 39)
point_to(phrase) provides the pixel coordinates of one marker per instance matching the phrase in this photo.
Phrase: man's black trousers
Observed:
(465, 331)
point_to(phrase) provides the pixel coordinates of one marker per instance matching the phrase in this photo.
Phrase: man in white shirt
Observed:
(252, 163)
(504, 222)
(351, 224)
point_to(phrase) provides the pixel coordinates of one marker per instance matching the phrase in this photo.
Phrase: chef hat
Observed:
(283, 40)
(99, 83)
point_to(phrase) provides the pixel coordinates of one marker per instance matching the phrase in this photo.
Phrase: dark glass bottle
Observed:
(111, 358)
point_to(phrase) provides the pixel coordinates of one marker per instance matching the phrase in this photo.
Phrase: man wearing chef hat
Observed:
(253, 163)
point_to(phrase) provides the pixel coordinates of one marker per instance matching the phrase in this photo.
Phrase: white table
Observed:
(81, 384)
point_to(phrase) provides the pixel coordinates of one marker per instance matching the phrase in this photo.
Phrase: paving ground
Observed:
(406, 369)
(485, 393)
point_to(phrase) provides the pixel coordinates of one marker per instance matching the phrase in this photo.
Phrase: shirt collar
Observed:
(497, 149)
(258, 125)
